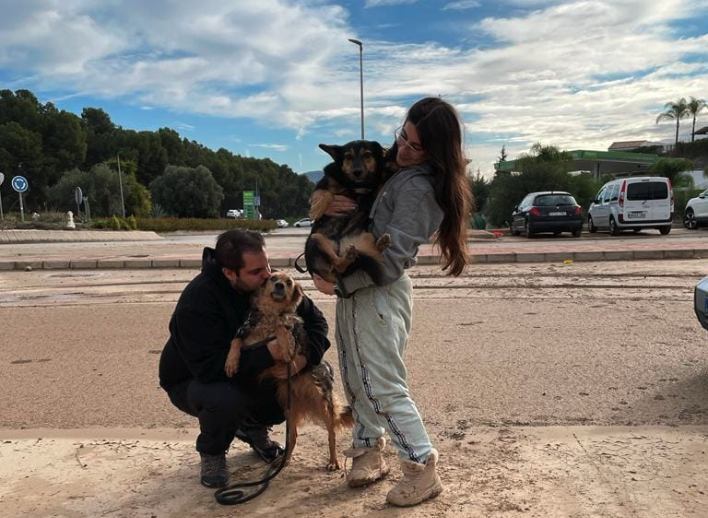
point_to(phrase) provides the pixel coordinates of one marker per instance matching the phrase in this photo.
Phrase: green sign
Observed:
(249, 208)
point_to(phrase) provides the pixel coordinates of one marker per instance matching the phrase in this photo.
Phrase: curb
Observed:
(425, 260)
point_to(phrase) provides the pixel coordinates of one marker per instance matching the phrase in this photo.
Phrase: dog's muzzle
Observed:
(278, 292)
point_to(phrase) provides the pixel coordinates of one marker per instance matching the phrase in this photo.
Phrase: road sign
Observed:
(78, 196)
(20, 184)
(249, 208)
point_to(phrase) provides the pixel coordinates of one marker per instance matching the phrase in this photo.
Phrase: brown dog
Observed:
(312, 397)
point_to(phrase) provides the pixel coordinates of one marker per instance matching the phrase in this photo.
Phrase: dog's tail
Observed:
(345, 419)
(342, 414)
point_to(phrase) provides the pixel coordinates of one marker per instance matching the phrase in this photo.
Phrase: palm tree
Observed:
(674, 111)
(694, 106)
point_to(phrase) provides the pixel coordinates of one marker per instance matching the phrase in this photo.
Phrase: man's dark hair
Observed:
(231, 245)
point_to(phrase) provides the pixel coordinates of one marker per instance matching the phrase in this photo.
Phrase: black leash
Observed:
(234, 494)
(296, 264)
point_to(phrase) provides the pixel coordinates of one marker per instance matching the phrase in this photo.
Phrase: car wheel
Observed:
(689, 220)
(614, 229)
(577, 232)
(591, 226)
(665, 230)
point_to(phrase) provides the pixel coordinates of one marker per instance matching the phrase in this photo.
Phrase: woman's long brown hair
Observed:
(440, 135)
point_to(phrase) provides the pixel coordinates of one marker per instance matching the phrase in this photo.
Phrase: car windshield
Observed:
(647, 191)
(551, 200)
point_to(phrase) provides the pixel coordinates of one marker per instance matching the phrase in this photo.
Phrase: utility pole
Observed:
(120, 182)
(2, 179)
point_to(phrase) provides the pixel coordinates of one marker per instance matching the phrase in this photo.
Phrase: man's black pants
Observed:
(224, 407)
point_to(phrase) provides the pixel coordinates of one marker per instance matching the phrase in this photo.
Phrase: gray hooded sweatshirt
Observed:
(406, 209)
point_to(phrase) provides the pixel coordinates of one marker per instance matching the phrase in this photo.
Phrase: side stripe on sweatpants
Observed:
(372, 330)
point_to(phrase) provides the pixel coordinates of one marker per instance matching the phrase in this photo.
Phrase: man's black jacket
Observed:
(207, 316)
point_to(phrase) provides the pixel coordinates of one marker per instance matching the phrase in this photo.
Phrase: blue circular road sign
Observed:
(20, 183)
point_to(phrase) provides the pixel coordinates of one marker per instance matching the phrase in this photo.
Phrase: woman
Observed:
(428, 196)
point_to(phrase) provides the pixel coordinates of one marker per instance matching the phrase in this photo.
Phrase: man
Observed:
(209, 312)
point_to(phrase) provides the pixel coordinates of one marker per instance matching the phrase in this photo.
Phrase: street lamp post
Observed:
(361, 80)
(120, 182)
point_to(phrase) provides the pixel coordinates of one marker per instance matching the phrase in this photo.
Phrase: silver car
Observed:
(700, 301)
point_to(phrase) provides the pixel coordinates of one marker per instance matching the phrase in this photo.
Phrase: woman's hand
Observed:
(322, 285)
(340, 205)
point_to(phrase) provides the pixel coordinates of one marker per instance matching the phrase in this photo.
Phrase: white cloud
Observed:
(461, 5)
(380, 3)
(272, 147)
(576, 74)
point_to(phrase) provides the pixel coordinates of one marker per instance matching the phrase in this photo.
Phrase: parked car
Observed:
(304, 222)
(633, 203)
(234, 213)
(696, 212)
(281, 223)
(700, 301)
(547, 211)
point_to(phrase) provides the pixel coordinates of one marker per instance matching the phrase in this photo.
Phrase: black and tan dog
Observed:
(338, 245)
(311, 390)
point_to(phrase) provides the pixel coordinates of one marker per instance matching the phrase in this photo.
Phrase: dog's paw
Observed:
(383, 242)
(333, 466)
(231, 365)
(232, 359)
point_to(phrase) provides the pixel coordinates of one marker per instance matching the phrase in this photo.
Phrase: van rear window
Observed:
(551, 200)
(647, 191)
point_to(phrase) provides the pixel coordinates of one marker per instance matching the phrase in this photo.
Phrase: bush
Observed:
(101, 185)
(187, 192)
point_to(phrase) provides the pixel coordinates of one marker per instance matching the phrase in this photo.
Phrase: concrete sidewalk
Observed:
(13, 236)
(22, 250)
(555, 471)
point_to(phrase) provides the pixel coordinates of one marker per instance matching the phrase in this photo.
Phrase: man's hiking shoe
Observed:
(213, 470)
(257, 438)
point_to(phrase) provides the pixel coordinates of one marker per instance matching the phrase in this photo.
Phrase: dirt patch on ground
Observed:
(514, 471)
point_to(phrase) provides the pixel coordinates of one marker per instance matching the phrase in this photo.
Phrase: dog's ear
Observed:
(334, 151)
(378, 149)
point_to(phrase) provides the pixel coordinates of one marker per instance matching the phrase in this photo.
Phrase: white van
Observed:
(633, 204)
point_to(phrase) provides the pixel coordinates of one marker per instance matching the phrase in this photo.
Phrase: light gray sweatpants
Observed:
(372, 331)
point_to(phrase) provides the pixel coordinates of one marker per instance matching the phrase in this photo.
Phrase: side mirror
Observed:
(702, 196)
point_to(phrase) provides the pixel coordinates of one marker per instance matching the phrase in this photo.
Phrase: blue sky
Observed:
(274, 78)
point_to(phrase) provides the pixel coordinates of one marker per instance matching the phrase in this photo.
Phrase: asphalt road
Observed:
(522, 344)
